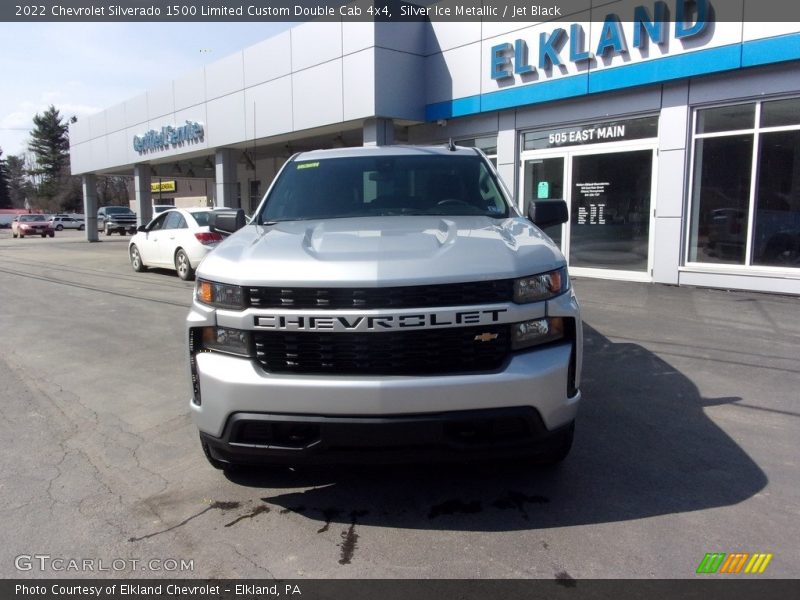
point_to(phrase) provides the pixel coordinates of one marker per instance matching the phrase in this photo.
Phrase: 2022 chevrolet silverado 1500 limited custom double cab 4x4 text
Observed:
(385, 304)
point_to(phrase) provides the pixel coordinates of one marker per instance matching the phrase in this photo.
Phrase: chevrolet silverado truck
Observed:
(385, 304)
(116, 218)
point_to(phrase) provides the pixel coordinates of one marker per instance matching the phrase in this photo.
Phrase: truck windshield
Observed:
(118, 210)
(382, 186)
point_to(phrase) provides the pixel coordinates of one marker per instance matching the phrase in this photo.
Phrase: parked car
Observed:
(63, 222)
(116, 218)
(76, 216)
(31, 225)
(176, 239)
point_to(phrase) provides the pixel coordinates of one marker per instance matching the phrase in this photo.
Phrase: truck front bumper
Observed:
(253, 438)
(245, 414)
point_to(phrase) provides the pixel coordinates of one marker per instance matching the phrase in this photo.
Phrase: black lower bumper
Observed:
(256, 438)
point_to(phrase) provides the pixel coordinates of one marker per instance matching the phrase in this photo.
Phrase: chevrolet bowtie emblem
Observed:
(486, 337)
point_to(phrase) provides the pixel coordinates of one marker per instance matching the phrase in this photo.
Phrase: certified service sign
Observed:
(167, 136)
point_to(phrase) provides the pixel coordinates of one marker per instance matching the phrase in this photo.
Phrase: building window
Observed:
(745, 193)
(255, 195)
(487, 144)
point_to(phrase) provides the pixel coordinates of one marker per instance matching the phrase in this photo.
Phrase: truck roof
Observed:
(366, 151)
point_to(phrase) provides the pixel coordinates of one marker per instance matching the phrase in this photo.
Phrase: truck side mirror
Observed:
(544, 213)
(226, 221)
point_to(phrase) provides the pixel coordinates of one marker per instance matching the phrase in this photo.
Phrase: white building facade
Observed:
(675, 141)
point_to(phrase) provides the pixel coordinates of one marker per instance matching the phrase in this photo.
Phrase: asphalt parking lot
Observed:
(687, 443)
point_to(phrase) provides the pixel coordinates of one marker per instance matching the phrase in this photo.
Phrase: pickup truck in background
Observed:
(120, 219)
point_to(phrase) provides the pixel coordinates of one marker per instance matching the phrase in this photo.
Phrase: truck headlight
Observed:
(541, 287)
(536, 332)
(225, 339)
(219, 295)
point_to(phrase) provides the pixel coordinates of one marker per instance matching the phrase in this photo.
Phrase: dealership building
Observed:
(674, 138)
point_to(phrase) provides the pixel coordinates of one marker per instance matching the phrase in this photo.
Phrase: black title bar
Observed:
(383, 10)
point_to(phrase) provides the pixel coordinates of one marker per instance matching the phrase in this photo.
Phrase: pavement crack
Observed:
(252, 514)
(251, 561)
(223, 506)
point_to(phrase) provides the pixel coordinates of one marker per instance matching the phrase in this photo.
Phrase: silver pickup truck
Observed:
(385, 304)
(116, 218)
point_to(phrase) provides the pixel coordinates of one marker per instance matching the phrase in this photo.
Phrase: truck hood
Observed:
(382, 251)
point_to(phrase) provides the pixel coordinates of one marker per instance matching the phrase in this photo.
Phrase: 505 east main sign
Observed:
(161, 139)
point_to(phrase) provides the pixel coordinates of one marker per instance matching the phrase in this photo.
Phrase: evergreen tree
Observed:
(5, 192)
(19, 186)
(50, 145)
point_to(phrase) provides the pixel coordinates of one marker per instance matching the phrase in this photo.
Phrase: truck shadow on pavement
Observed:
(643, 447)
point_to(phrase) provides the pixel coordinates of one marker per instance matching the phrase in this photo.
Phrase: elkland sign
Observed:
(167, 136)
(507, 59)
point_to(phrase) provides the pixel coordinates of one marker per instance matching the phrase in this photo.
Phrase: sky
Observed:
(83, 68)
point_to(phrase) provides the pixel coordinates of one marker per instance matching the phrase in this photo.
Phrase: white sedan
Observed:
(177, 239)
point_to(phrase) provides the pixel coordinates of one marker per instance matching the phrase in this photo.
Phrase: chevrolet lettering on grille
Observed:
(390, 322)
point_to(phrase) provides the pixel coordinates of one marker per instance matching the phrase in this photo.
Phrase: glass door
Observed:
(610, 210)
(608, 193)
(543, 179)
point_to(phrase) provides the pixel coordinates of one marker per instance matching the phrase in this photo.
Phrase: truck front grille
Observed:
(451, 294)
(419, 352)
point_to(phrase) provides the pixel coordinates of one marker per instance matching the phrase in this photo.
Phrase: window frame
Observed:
(757, 131)
(159, 220)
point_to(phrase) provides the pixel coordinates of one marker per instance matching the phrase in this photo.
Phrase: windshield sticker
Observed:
(311, 165)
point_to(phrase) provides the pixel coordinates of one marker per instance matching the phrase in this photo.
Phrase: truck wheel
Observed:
(136, 260)
(122, 232)
(107, 230)
(183, 266)
(44, 235)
